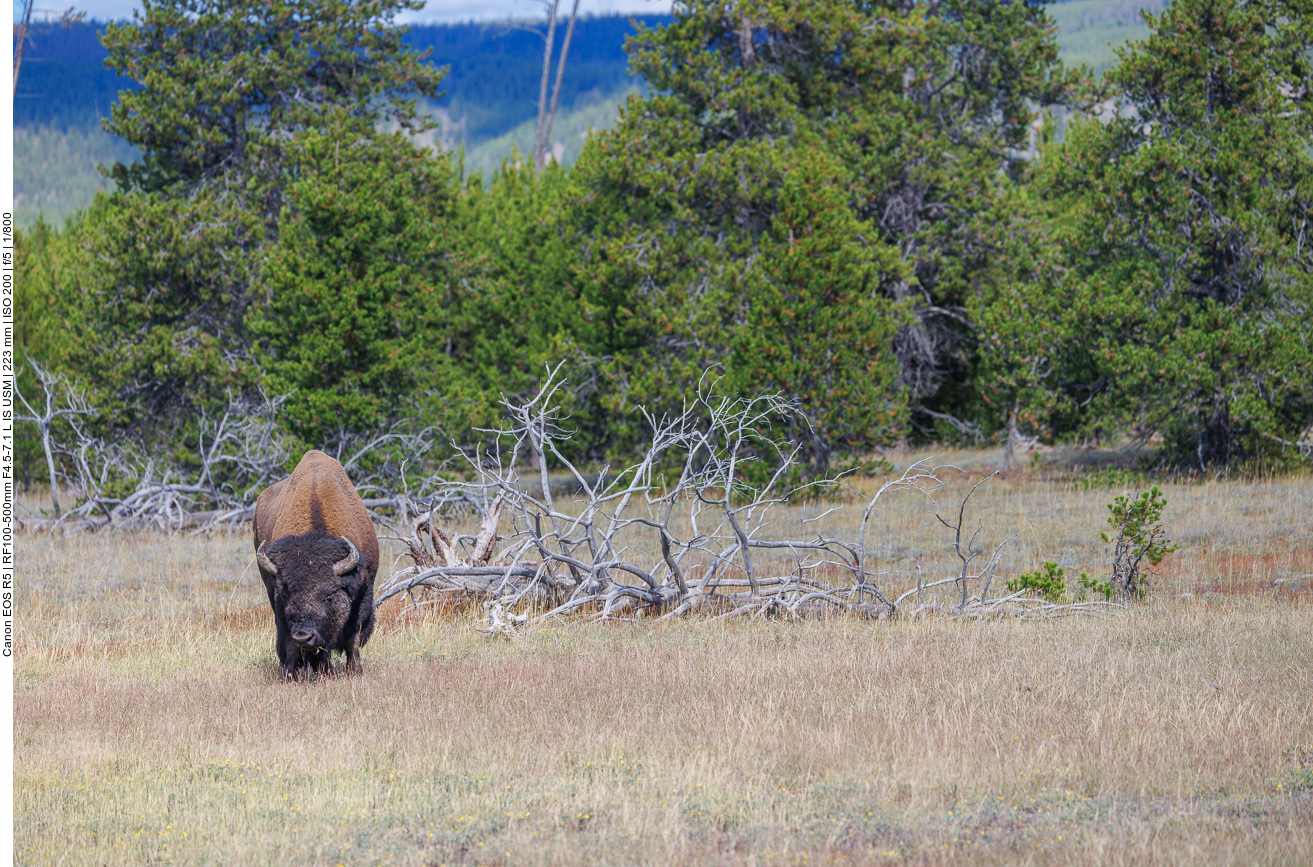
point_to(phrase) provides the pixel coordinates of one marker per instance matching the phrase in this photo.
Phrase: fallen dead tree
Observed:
(237, 453)
(680, 531)
(688, 528)
(168, 518)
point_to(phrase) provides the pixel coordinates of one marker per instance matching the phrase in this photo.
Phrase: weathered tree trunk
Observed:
(1010, 449)
(1216, 437)
(542, 88)
(746, 51)
(50, 467)
(545, 144)
(20, 37)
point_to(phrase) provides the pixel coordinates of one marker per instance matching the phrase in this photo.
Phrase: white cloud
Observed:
(436, 11)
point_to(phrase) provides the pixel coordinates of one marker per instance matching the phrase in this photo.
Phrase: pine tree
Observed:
(353, 291)
(228, 88)
(769, 119)
(1176, 293)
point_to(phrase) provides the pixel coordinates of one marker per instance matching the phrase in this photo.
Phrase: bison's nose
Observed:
(303, 637)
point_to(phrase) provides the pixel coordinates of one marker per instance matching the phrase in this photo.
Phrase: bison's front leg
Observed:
(353, 665)
(321, 662)
(293, 674)
(291, 662)
(294, 669)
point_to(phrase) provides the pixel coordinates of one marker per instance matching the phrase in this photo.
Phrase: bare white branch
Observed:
(637, 541)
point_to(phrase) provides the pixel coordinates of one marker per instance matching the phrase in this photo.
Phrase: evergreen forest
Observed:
(910, 221)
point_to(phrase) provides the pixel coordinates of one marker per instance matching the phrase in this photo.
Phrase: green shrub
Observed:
(1139, 537)
(1047, 582)
(1100, 588)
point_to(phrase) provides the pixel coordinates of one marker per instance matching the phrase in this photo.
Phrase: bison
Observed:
(318, 555)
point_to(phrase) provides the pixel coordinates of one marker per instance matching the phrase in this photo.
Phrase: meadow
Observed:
(150, 726)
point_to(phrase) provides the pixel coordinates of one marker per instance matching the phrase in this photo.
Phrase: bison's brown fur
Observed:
(301, 524)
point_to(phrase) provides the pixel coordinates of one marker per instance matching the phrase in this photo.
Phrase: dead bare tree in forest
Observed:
(238, 453)
(388, 466)
(546, 113)
(63, 400)
(20, 40)
(967, 556)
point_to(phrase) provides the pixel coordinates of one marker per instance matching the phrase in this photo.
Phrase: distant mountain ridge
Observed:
(491, 86)
(492, 90)
(495, 69)
(63, 81)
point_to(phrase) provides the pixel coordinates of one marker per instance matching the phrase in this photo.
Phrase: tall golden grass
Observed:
(150, 726)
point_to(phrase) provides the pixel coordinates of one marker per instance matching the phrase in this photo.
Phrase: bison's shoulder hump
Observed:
(266, 511)
(319, 497)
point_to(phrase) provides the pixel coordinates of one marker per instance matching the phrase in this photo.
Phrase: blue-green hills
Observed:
(492, 85)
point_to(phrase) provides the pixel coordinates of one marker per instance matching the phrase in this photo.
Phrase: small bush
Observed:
(1139, 537)
(1094, 585)
(1047, 582)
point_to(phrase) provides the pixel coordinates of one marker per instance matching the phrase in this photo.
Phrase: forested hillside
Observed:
(490, 88)
(863, 211)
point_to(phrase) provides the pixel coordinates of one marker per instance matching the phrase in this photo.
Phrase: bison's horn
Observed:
(265, 563)
(341, 567)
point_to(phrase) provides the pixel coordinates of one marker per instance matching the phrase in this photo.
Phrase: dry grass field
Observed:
(150, 726)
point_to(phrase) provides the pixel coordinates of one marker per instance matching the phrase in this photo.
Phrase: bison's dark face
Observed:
(317, 588)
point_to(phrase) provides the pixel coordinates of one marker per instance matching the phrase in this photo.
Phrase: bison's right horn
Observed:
(265, 563)
(341, 567)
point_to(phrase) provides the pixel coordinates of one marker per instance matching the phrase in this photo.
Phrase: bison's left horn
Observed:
(341, 567)
(265, 563)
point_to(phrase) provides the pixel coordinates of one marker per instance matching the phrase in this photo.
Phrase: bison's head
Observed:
(316, 585)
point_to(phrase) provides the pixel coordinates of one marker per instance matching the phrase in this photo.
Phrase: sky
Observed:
(436, 11)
